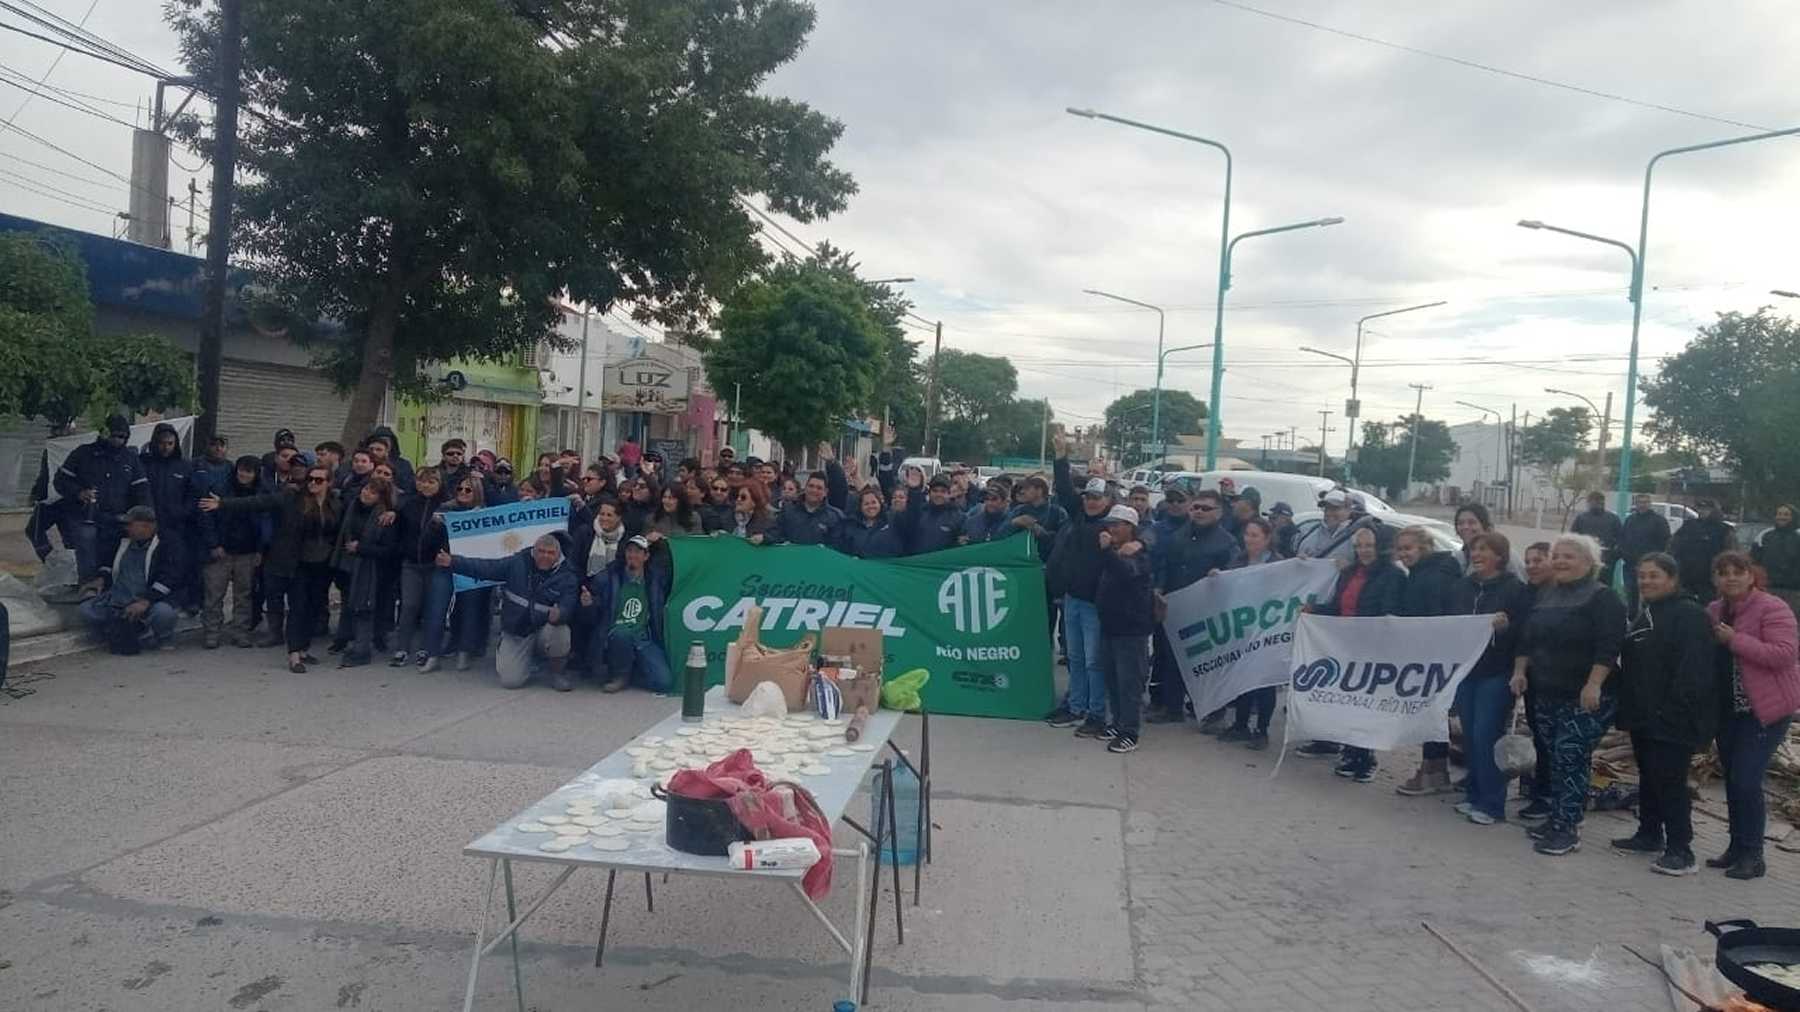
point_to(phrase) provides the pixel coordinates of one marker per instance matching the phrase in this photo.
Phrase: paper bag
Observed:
(755, 664)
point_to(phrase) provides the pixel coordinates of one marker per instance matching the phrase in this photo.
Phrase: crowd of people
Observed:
(1696, 647)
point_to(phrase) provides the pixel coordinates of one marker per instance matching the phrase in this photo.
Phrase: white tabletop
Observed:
(646, 850)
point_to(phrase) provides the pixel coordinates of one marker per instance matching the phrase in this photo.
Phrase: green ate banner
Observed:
(972, 616)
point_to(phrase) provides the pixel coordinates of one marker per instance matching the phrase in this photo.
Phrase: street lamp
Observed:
(1784, 293)
(1605, 424)
(1156, 395)
(1499, 432)
(1164, 354)
(891, 281)
(1353, 409)
(1637, 293)
(937, 345)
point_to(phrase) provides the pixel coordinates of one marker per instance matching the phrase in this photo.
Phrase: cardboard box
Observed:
(864, 647)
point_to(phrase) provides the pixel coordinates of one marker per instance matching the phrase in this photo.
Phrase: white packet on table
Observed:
(764, 855)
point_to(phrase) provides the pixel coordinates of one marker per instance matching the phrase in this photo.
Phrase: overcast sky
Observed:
(974, 181)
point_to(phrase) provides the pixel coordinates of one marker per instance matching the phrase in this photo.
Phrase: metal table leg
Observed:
(487, 911)
(649, 895)
(605, 916)
(511, 916)
(893, 824)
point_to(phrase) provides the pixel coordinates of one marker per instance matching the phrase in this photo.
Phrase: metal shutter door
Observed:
(255, 399)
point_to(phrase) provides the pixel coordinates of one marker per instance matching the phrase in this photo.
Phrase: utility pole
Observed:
(193, 191)
(937, 344)
(1412, 455)
(1044, 435)
(1600, 452)
(218, 243)
(1324, 415)
(1512, 462)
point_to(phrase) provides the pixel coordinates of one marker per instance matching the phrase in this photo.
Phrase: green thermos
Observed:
(693, 685)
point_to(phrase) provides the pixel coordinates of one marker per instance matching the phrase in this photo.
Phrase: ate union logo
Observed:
(974, 599)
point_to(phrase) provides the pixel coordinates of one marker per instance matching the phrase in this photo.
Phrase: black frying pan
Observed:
(1743, 944)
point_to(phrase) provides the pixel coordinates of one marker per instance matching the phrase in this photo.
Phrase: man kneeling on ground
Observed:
(537, 591)
(144, 575)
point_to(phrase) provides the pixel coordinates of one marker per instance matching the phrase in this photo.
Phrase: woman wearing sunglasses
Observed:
(297, 566)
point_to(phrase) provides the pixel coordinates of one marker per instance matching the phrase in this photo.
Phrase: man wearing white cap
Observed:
(1126, 622)
(1331, 539)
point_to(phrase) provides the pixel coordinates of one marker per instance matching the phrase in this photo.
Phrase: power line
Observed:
(82, 32)
(805, 249)
(32, 93)
(46, 76)
(75, 200)
(104, 184)
(84, 41)
(1486, 67)
(90, 96)
(59, 149)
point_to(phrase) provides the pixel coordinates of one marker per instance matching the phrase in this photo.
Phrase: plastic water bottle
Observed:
(906, 815)
(843, 1006)
(693, 689)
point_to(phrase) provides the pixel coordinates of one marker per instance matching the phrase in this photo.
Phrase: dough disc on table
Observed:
(532, 827)
(640, 751)
(839, 753)
(553, 820)
(814, 770)
(862, 746)
(610, 843)
(558, 844)
(569, 830)
(587, 820)
(687, 731)
(607, 829)
(618, 813)
(652, 740)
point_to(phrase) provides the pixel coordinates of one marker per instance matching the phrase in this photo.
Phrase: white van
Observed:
(930, 465)
(1300, 491)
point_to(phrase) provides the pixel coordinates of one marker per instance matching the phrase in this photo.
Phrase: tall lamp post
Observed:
(1226, 243)
(1639, 256)
(1163, 356)
(1353, 408)
(1605, 423)
(931, 381)
(1156, 395)
(1784, 293)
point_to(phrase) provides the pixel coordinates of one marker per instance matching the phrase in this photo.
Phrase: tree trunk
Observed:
(377, 364)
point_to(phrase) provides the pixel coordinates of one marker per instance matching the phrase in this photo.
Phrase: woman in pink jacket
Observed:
(1756, 632)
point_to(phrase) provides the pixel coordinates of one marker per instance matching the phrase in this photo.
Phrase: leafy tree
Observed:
(1554, 445)
(899, 391)
(1013, 429)
(972, 387)
(806, 346)
(430, 174)
(1386, 450)
(52, 363)
(1732, 397)
(1128, 420)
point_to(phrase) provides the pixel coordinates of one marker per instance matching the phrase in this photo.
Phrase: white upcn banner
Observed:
(1232, 632)
(1380, 683)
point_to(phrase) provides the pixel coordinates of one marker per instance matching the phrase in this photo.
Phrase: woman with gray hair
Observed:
(1566, 655)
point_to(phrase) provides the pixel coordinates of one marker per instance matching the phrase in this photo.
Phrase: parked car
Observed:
(1443, 535)
(1675, 513)
(930, 465)
(1300, 491)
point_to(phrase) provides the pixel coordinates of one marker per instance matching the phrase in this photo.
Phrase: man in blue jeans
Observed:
(1074, 570)
(624, 603)
(140, 579)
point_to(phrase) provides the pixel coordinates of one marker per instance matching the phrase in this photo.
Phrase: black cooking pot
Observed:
(703, 826)
(1743, 944)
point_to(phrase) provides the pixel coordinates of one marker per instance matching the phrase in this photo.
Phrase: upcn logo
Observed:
(975, 599)
(1316, 674)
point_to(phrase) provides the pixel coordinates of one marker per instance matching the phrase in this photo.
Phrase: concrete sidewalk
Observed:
(200, 830)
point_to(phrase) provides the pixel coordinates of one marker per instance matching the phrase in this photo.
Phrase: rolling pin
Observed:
(855, 728)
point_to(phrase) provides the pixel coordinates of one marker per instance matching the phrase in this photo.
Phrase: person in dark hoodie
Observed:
(1369, 586)
(1778, 552)
(1074, 572)
(169, 483)
(1668, 700)
(1431, 579)
(1254, 710)
(1484, 700)
(1567, 654)
(869, 535)
(364, 546)
(425, 589)
(987, 521)
(389, 453)
(931, 520)
(232, 544)
(472, 610)
(271, 471)
(453, 461)
(1126, 620)
(1697, 544)
(1644, 531)
(1167, 692)
(98, 482)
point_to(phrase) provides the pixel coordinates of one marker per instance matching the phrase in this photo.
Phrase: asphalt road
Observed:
(202, 830)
